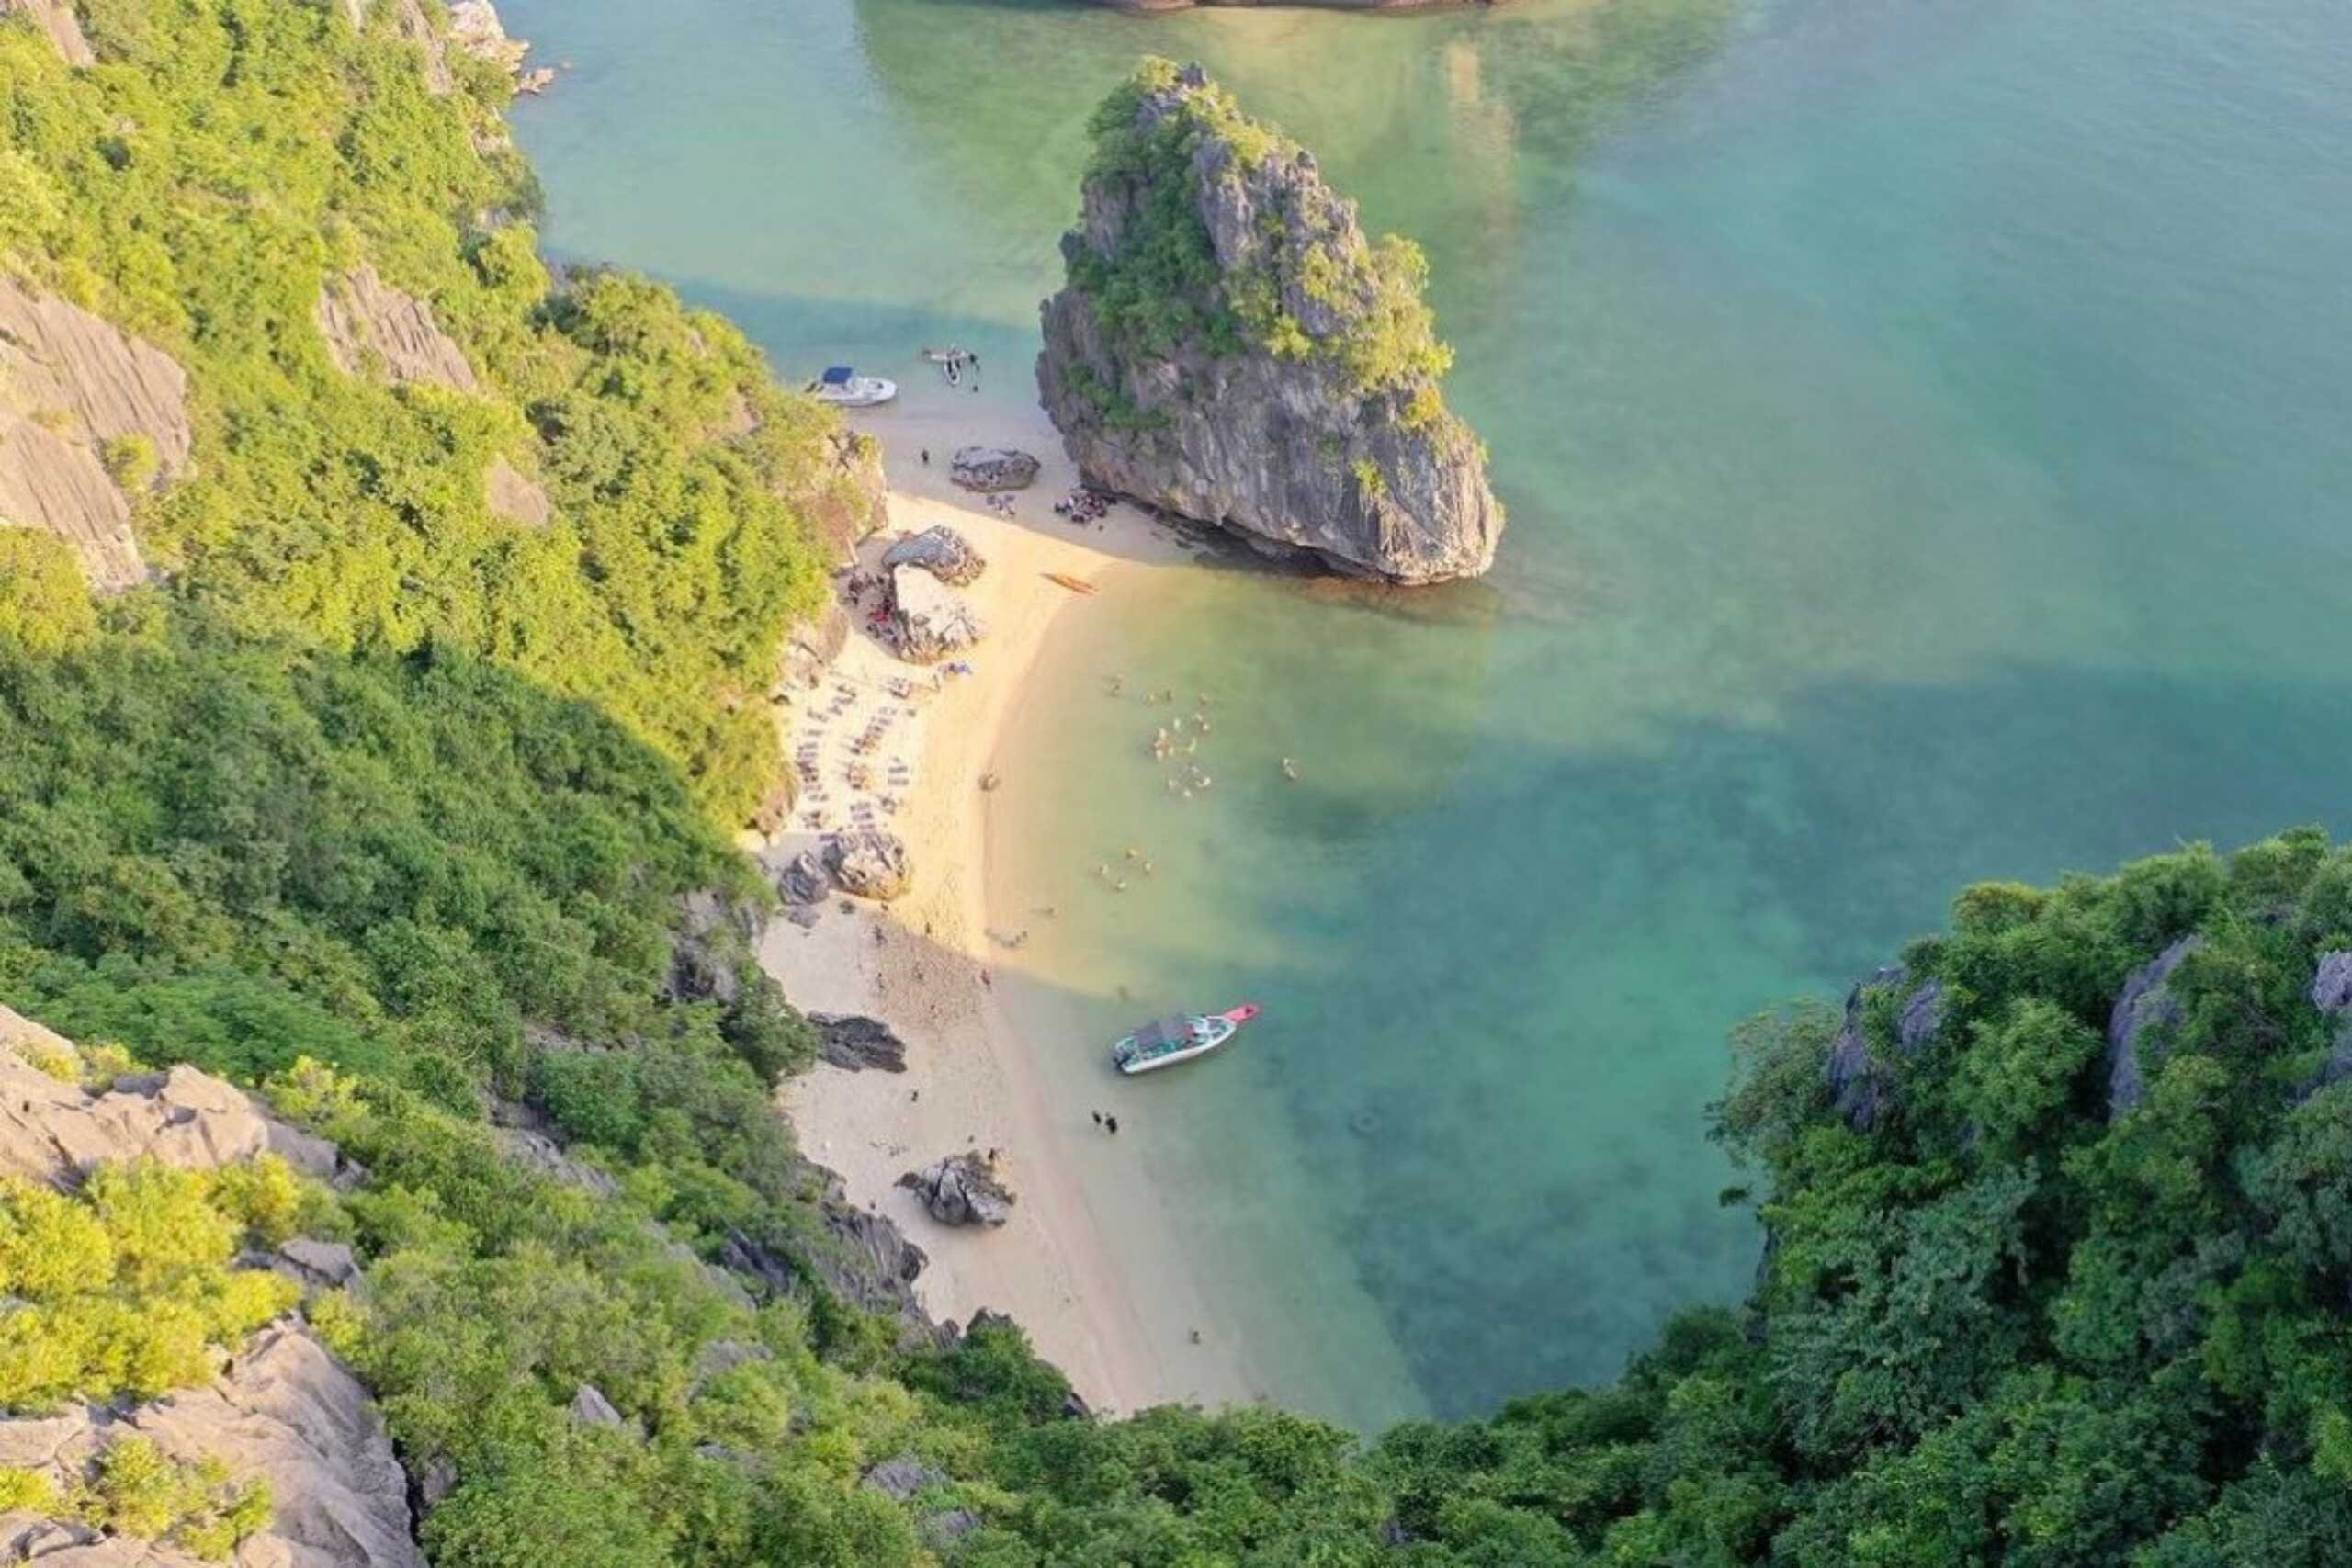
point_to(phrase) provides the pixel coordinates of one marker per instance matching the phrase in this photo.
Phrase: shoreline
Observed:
(928, 965)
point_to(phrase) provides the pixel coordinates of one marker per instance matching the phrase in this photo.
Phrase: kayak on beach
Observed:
(1165, 1041)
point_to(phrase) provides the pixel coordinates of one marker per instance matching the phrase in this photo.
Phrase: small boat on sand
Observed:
(1168, 1041)
(845, 388)
(1075, 584)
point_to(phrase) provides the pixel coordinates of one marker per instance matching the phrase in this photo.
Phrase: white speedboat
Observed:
(1168, 1041)
(845, 388)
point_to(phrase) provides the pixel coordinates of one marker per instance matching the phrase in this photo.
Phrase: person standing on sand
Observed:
(1113, 1123)
(1098, 1118)
(926, 457)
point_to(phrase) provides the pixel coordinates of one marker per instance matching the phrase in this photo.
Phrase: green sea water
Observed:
(1924, 429)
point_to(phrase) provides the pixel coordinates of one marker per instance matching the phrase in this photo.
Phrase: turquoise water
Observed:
(1924, 426)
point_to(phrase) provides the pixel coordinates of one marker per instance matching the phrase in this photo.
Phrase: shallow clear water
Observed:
(1924, 426)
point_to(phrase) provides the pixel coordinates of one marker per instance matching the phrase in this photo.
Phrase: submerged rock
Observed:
(2147, 1003)
(869, 863)
(941, 551)
(990, 468)
(961, 1189)
(1229, 347)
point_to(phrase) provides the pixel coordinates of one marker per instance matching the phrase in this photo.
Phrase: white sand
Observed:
(927, 964)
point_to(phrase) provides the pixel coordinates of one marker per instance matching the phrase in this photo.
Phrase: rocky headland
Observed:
(1231, 348)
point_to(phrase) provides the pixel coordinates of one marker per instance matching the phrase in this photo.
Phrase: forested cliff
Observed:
(391, 779)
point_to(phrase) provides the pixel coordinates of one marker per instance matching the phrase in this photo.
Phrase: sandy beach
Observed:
(929, 964)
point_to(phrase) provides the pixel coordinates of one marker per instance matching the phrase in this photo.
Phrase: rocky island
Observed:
(1231, 348)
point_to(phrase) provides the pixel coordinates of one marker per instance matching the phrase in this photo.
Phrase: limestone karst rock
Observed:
(74, 391)
(961, 1189)
(941, 551)
(990, 468)
(1230, 347)
(870, 864)
(369, 325)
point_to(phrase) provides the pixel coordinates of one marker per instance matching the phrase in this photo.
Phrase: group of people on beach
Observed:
(1108, 1123)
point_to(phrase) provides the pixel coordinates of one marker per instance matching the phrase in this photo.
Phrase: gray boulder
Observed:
(2146, 1005)
(804, 879)
(854, 1043)
(988, 468)
(961, 1189)
(869, 863)
(941, 551)
(2331, 986)
(591, 1409)
(317, 1265)
(900, 1478)
(1297, 405)
(927, 620)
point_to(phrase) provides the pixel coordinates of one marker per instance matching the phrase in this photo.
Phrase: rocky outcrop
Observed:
(1862, 1087)
(861, 1259)
(2332, 985)
(991, 468)
(843, 492)
(868, 864)
(927, 621)
(57, 1132)
(56, 19)
(371, 326)
(941, 551)
(812, 646)
(515, 496)
(72, 391)
(712, 948)
(285, 1412)
(2146, 1006)
(1280, 378)
(474, 26)
(856, 1044)
(962, 1190)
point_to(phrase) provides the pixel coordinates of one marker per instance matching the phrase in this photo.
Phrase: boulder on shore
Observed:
(941, 551)
(1281, 379)
(869, 863)
(961, 1189)
(928, 621)
(855, 1042)
(990, 468)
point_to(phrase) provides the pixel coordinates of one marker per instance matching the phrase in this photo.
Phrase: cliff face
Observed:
(1231, 348)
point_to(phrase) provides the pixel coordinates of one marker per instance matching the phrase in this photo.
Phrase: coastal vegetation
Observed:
(412, 819)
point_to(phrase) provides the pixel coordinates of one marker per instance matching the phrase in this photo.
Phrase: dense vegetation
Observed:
(203, 185)
(395, 811)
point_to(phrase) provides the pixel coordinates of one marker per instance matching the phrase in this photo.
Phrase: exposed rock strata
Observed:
(369, 325)
(71, 385)
(962, 1190)
(1278, 378)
